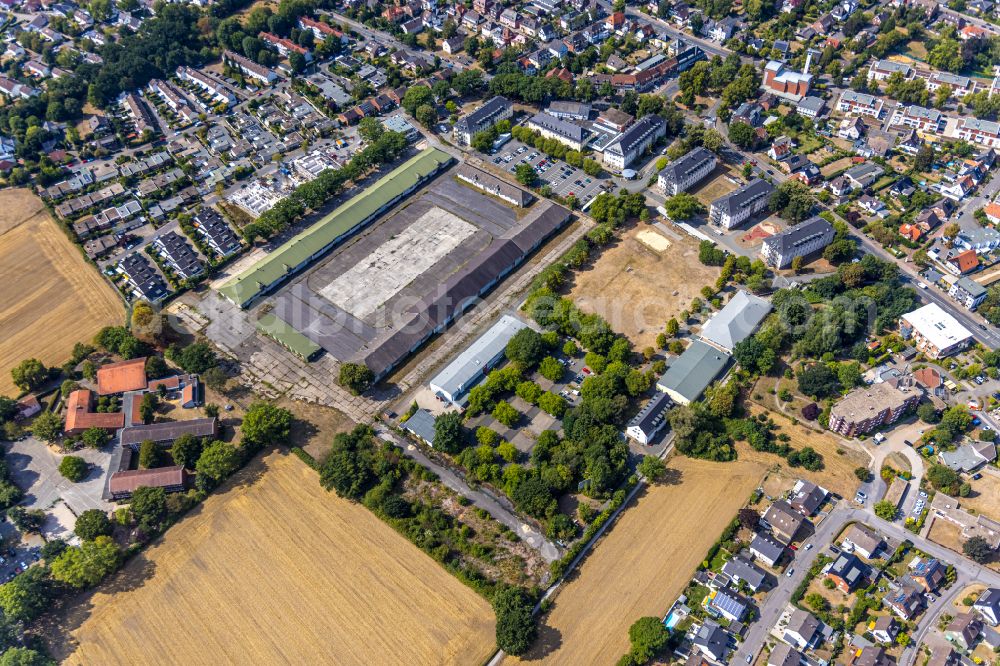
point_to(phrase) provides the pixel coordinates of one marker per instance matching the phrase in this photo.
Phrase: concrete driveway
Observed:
(34, 467)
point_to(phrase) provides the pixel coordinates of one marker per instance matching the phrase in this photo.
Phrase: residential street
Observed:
(830, 527)
(480, 498)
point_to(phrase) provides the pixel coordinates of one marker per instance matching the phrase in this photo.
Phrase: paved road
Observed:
(929, 619)
(777, 598)
(710, 47)
(480, 498)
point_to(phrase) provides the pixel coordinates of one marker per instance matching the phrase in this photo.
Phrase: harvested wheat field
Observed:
(55, 298)
(637, 289)
(644, 562)
(278, 571)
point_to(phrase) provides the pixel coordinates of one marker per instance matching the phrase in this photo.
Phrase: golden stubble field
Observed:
(52, 297)
(278, 571)
(637, 289)
(644, 562)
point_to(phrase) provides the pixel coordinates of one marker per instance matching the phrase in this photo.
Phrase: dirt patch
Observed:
(947, 534)
(653, 240)
(644, 563)
(718, 186)
(53, 297)
(985, 497)
(277, 570)
(838, 165)
(315, 426)
(637, 290)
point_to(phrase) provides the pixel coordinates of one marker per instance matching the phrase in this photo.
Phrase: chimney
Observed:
(809, 55)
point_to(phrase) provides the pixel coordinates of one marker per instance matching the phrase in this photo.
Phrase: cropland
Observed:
(52, 297)
(272, 569)
(644, 562)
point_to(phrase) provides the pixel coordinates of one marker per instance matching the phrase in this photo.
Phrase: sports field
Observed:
(52, 297)
(644, 562)
(278, 571)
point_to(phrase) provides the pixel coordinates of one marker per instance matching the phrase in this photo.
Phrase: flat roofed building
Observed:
(736, 321)
(686, 171)
(562, 131)
(483, 118)
(624, 150)
(471, 365)
(811, 236)
(650, 420)
(934, 331)
(691, 372)
(733, 209)
(869, 407)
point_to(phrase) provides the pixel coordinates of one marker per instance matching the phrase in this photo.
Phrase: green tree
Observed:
(95, 438)
(742, 134)
(149, 507)
(526, 348)
(862, 474)
(944, 479)
(505, 414)
(515, 623)
(551, 369)
(266, 424)
(86, 565)
(73, 468)
(18, 656)
(449, 433)
(652, 468)
(977, 549)
(683, 206)
(818, 380)
(26, 596)
(29, 374)
(47, 426)
(149, 455)
(147, 407)
(426, 115)
(885, 510)
(647, 636)
(91, 524)
(217, 461)
(356, 377)
(526, 174)
(553, 404)
(186, 450)
(415, 97)
(928, 413)
(673, 327)
(487, 436)
(817, 602)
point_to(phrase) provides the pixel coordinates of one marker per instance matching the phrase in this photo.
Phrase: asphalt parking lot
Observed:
(564, 179)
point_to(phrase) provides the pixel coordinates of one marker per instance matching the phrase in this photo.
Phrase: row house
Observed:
(173, 98)
(980, 132)
(219, 93)
(928, 121)
(285, 46)
(321, 31)
(860, 104)
(248, 67)
(881, 70)
(14, 90)
(960, 85)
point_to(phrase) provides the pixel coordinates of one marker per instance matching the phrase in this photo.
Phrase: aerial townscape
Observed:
(491, 332)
